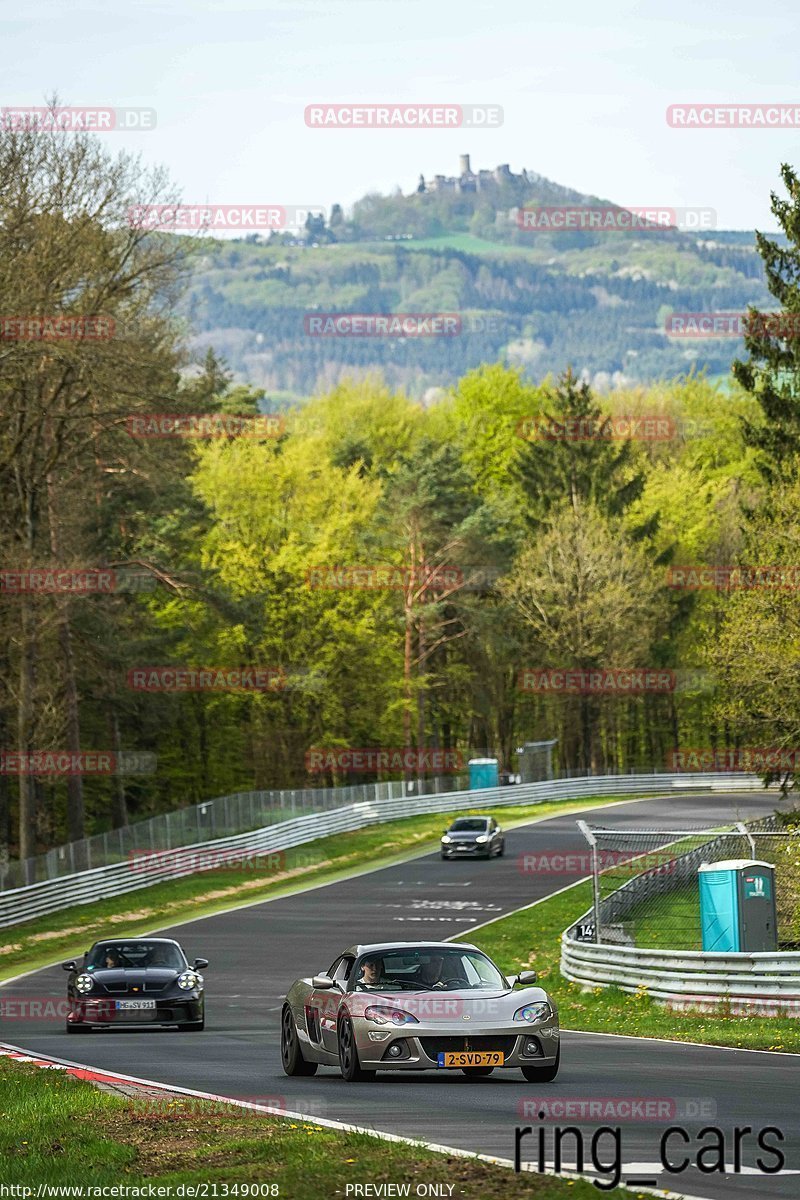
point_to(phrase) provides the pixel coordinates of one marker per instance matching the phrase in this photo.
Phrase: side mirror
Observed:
(527, 977)
(323, 983)
(199, 963)
(68, 966)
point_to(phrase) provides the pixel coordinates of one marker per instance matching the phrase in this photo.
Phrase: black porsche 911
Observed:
(135, 982)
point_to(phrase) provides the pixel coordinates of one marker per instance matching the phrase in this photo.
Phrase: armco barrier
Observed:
(39, 899)
(217, 817)
(687, 978)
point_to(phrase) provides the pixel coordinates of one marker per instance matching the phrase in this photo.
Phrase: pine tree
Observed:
(570, 456)
(772, 372)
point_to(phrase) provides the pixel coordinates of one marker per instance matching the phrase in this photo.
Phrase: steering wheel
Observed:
(447, 982)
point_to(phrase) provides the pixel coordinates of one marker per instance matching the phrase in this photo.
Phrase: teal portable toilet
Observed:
(483, 773)
(737, 906)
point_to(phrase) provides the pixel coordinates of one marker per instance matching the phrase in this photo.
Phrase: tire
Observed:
(291, 1054)
(71, 1028)
(196, 1028)
(502, 850)
(543, 1074)
(350, 1067)
(476, 1072)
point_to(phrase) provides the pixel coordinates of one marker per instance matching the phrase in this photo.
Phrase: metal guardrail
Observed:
(40, 899)
(687, 978)
(218, 817)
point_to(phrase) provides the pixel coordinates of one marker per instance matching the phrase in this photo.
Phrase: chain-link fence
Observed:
(645, 883)
(213, 819)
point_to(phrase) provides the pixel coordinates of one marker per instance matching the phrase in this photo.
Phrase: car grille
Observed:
(125, 989)
(434, 1046)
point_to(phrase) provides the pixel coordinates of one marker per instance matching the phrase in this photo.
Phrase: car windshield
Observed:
(469, 825)
(441, 968)
(127, 955)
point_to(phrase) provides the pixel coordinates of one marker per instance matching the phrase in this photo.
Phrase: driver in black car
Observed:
(111, 959)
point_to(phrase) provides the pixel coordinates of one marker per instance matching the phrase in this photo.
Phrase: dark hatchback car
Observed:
(473, 837)
(142, 982)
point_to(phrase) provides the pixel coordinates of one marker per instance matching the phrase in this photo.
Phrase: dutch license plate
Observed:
(471, 1058)
(134, 1005)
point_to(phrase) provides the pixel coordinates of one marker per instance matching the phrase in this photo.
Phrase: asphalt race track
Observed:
(256, 953)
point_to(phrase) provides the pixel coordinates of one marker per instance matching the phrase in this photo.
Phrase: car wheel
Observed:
(443, 856)
(477, 1072)
(291, 1054)
(350, 1067)
(72, 1028)
(501, 851)
(543, 1074)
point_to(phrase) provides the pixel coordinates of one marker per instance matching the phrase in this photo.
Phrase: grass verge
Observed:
(531, 939)
(69, 933)
(59, 1131)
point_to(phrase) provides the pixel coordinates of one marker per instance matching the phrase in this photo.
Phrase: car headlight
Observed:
(381, 1014)
(446, 839)
(189, 980)
(540, 1011)
(481, 838)
(84, 983)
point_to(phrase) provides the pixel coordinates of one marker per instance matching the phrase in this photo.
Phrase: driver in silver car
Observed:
(371, 976)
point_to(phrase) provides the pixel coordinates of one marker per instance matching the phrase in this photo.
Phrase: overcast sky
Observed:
(584, 86)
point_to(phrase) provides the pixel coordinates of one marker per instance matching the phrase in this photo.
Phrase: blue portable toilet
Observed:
(483, 773)
(737, 906)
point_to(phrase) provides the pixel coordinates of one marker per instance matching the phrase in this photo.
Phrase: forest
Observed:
(216, 598)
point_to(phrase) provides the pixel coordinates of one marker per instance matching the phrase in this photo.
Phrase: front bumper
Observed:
(466, 850)
(102, 1013)
(522, 1045)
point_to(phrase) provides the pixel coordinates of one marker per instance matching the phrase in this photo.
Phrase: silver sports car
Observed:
(419, 1006)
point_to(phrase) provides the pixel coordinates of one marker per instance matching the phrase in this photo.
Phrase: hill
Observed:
(596, 300)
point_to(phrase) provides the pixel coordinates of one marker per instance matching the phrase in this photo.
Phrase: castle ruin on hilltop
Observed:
(468, 181)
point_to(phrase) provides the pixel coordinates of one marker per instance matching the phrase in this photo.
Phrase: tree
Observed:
(570, 455)
(589, 599)
(69, 250)
(772, 371)
(755, 646)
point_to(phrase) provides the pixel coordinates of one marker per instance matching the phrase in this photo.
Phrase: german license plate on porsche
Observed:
(471, 1058)
(135, 1005)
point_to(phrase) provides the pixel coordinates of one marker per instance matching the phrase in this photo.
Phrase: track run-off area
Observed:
(257, 951)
